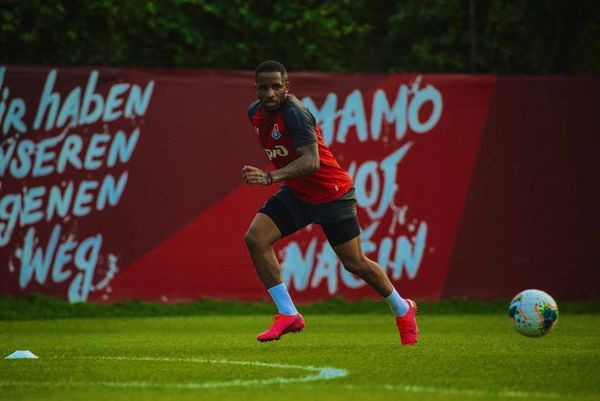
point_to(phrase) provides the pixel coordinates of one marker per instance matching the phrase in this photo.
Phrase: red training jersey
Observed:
(291, 127)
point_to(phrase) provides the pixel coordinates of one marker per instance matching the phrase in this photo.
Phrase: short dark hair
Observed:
(271, 66)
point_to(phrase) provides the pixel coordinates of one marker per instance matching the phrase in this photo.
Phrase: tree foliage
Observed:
(498, 36)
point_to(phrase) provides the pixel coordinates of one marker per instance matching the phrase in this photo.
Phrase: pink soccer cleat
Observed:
(282, 324)
(407, 325)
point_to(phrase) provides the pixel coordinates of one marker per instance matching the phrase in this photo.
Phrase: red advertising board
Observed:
(120, 184)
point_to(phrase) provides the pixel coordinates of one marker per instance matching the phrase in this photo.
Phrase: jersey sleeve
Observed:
(300, 124)
(253, 109)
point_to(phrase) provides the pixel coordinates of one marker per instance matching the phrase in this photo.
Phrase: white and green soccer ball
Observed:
(533, 313)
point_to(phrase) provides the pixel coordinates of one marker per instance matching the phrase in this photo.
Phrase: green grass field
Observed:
(459, 357)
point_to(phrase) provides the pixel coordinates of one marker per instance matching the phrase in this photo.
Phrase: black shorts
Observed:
(337, 218)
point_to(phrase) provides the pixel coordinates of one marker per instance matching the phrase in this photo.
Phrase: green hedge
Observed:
(497, 36)
(46, 307)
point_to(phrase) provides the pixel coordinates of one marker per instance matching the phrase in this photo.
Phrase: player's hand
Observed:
(255, 176)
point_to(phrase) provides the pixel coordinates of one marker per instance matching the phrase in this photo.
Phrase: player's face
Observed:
(271, 90)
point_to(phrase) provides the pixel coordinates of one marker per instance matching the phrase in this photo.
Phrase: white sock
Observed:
(397, 304)
(282, 300)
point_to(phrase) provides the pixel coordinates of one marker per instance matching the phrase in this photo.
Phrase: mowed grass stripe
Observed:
(475, 357)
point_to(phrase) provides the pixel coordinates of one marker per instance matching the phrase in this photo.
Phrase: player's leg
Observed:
(259, 238)
(355, 261)
(276, 219)
(339, 222)
(345, 241)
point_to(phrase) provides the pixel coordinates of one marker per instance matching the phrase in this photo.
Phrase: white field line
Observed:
(458, 392)
(318, 373)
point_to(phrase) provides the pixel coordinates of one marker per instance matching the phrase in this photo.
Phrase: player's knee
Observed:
(252, 240)
(255, 241)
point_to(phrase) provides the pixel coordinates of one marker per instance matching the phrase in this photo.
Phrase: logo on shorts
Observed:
(278, 151)
(275, 133)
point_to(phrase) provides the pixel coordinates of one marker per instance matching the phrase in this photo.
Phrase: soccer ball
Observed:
(533, 313)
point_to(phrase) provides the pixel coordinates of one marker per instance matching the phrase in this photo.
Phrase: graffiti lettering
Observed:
(15, 111)
(39, 262)
(302, 270)
(375, 181)
(90, 106)
(382, 188)
(55, 155)
(404, 113)
(68, 199)
(65, 202)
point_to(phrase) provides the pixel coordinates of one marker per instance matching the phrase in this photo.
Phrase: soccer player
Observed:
(315, 190)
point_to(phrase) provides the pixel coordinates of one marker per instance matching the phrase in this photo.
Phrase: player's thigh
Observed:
(262, 231)
(338, 219)
(280, 216)
(344, 238)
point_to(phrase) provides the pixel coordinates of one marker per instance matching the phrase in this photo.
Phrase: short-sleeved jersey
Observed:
(291, 127)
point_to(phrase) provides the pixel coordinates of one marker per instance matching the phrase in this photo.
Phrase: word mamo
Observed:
(404, 113)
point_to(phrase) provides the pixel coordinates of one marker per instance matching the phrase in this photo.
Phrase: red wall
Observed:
(475, 186)
(531, 217)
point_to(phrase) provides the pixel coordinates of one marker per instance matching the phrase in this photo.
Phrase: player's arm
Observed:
(300, 124)
(306, 163)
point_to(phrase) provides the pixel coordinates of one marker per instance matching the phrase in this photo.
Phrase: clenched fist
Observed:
(255, 176)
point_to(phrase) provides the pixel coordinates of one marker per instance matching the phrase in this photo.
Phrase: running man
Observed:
(315, 190)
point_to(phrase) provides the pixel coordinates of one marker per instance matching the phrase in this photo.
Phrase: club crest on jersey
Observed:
(275, 133)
